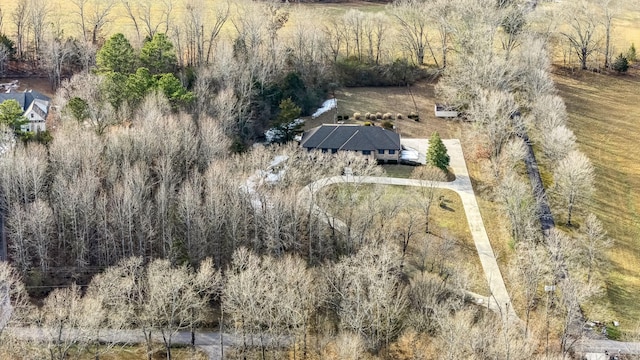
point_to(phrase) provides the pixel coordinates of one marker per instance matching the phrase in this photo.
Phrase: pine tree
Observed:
(621, 64)
(437, 153)
(116, 55)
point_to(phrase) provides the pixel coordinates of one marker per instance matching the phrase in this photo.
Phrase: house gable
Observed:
(35, 106)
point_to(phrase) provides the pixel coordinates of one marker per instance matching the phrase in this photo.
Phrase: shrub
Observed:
(356, 116)
(367, 116)
(351, 72)
(399, 116)
(387, 124)
(339, 117)
(621, 64)
(387, 116)
(378, 115)
(346, 117)
(367, 123)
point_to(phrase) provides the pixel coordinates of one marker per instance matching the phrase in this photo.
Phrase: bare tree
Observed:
(4, 57)
(429, 177)
(39, 12)
(595, 243)
(413, 17)
(609, 11)
(582, 33)
(557, 143)
(517, 201)
(92, 17)
(176, 298)
(574, 178)
(149, 17)
(19, 16)
(15, 306)
(530, 270)
(60, 322)
(366, 294)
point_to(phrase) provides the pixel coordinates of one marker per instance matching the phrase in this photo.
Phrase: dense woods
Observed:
(154, 208)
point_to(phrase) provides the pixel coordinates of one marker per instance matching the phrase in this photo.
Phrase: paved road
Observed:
(499, 298)
(207, 341)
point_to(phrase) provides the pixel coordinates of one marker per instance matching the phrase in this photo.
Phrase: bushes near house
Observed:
(379, 116)
(387, 124)
(413, 116)
(399, 116)
(356, 116)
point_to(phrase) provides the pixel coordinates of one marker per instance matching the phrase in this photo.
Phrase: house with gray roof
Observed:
(35, 106)
(381, 144)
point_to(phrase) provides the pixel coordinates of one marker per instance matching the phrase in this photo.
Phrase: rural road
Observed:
(499, 299)
(208, 342)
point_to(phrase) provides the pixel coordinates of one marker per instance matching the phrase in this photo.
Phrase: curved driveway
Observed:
(499, 299)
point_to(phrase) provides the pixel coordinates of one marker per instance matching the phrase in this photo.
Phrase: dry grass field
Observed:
(603, 113)
(393, 100)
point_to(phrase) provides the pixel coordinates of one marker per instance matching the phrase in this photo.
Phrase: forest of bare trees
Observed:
(152, 209)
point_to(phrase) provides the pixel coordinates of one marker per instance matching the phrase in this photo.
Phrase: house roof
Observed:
(350, 137)
(25, 99)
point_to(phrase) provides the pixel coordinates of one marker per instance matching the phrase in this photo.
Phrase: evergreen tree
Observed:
(158, 55)
(11, 116)
(621, 64)
(437, 153)
(285, 121)
(117, 55)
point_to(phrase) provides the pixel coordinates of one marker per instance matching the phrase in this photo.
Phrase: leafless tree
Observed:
(60, 321)
(582, 33)
(15, 307)
(429, 177)
(55, 56)
(574, 178)
(573, 294)
(413, 17)
(335, 33)
(517, 201)
(19, 16)
(93, 17)
(609, 11)
(149, 17)
(595, 243)
(4, 57)
(366, 294)
(496, 119)
(557, 143)
(176, 298)
(39, 12)
(530, 270)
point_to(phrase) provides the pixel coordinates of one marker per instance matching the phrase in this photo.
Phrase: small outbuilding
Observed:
(444, 111)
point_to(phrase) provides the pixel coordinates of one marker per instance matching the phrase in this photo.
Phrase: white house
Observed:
(35, 106)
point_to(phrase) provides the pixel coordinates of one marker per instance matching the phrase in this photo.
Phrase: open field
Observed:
(393, 100)
(603, 113)
(65, 13)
